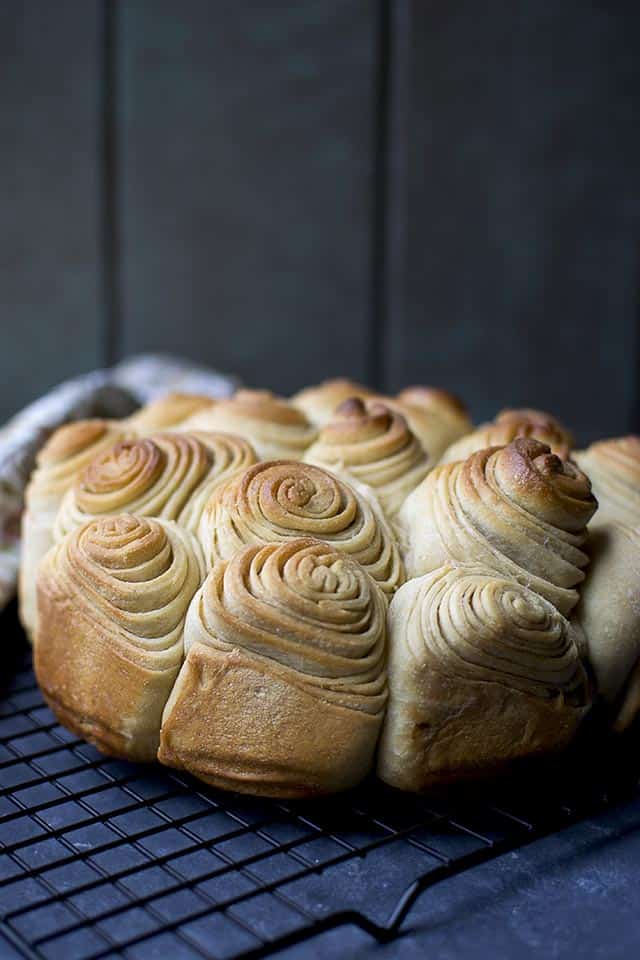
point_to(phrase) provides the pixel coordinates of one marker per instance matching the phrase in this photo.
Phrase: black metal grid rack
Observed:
(100, 858)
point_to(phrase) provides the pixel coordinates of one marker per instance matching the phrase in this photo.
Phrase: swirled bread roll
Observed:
(274, 427)
(283, 689)
(319, 403)
(449, 416)
(168, 475)
(518, 510)
(112, 601)
(374, 445)
(609, 612)
(481, 671)
(282, 499)
(613, 467)
(507, 426)
(169, 411)
(59, 462)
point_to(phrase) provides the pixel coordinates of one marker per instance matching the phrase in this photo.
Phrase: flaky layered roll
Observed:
(112, 601)
(274, 427)
(282, 499)
(168, 475)
(449, 419)
(507, 426)
(613, 467)
(609, 612)
(169, 411)
(319, 403)
(518, 510)
(374, 445)
(58, 464)
(283, 688)
(481, 671)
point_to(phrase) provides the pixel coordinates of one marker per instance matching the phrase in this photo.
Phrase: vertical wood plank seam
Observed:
(110, 252)
(389, 233)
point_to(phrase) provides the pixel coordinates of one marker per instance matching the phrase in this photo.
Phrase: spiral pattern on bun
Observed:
(112, 598)
(170, 475)
(285, 643)
(169, 411)
(481, 670)
(274, 427)
(518, 510)
(65, 454)
(508, 426)
(374, 445)
(279, 500)
(613, 466)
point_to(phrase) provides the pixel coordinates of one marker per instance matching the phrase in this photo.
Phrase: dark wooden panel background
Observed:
(392, 189)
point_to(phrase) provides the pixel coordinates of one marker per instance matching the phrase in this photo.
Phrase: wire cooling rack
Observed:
(101, 858)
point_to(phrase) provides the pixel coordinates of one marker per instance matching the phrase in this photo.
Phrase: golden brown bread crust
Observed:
(482, 671)
(168, 475)
(518, 510)
(279, 500)
(65, 454)
(169, 411)
(112, 601)
(613, 466)
(273, 426)
(283, 689)
(320, 402)
(374, 445)
(508, 426)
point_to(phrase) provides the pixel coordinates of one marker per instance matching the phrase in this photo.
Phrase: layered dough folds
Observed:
(112, 601)
(509, 425)
(67, 452)
(614, 469)
(609, 607)
(482, 671)
(274, 427)
(284, 685)
(435, 416)
(279, 500)
(169, 475)
(518, 510)
(373, 444)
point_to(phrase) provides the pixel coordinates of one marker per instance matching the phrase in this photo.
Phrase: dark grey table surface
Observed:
(572, 896)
